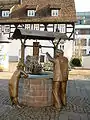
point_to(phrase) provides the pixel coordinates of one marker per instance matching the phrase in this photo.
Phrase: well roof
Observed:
(36, 34)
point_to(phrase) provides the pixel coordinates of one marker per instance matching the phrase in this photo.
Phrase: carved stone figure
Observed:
(56, 79)
(13, 84)
(63, 83)
(60, 77)
(32, 65)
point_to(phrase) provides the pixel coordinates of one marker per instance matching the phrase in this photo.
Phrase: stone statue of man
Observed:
(13, 84)
(64, 72)
(57, 77)
(60, 77)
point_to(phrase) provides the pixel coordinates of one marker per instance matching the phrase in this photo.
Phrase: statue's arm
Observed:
(49, 57)
(66, 69)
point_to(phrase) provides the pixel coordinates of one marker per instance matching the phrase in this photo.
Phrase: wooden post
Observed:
(22, 52)
(45, 25)
(55, 46)
(54, 50)
(36, 49)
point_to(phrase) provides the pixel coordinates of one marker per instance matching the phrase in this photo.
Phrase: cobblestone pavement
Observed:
(78, 105)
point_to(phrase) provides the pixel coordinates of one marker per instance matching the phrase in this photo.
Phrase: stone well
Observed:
(36, 90)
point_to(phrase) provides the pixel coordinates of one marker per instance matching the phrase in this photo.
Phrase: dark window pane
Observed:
(89, 42)
(84, 31)
(42, 58)
(83, 51)
(83, 42)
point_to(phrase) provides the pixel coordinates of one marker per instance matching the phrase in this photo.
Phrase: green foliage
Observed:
(48, 66)
(75, 62)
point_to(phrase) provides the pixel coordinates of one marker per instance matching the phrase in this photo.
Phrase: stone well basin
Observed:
(36, 90)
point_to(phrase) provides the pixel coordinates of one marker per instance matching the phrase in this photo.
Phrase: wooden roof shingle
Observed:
(67, 11)
(7, 4)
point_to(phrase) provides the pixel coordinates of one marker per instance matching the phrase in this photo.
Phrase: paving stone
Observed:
(63, 117)
(77, 108)
(73, 116)
(83, 117)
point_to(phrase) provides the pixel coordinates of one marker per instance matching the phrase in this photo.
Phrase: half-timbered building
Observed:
(43, 15)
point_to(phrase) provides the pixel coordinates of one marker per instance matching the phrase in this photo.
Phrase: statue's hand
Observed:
(26, 76)
(49, 57)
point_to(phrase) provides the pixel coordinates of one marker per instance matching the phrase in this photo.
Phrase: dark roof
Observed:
(67, 11)
(7, 4)
(35, 34)
(5, 42)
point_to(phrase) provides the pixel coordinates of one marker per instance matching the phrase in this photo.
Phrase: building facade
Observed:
(45, 15)
(82, 34)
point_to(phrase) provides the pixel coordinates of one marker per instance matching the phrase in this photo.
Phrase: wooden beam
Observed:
(22, 51)
(39, 46)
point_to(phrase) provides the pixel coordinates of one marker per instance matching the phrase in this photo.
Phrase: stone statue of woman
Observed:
(13, 84)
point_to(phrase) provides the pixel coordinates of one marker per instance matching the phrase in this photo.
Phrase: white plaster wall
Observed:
(68, 49)
(86, 62)
(14, 47)
(4, 61)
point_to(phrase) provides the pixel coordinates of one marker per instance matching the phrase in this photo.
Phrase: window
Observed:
(83, 42)
(6, 29)
(5, 13)
(42, 58)
(31, 13)
(0, 29)
(54, 12)
(27, 26)
(84, 31)
(89, 42)
(83, 51)
(80, 22)
(62, 28)
(62, 46)
(36, 26)
(75, 42)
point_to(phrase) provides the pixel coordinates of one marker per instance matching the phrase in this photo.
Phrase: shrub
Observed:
(75, 62)
(48, 66)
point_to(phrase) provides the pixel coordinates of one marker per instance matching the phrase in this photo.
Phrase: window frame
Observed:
(89, 42)
(5, 14)
(31, 12)
(55, 12)
(83, 51)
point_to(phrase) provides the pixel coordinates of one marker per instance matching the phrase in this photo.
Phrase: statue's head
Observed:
(59, 52)
(20, 66)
